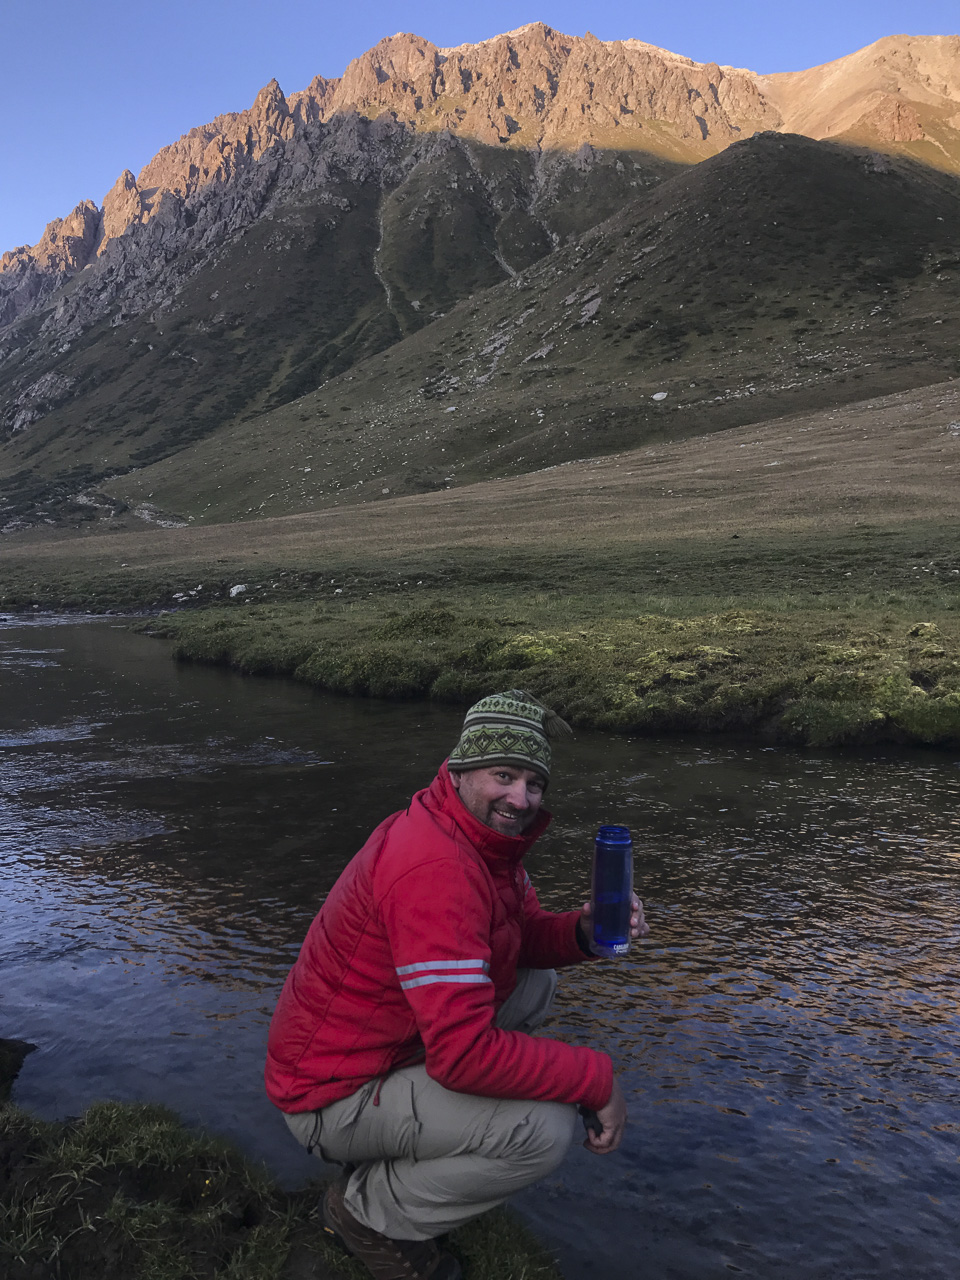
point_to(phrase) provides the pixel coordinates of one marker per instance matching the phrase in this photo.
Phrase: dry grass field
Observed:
(870, 469)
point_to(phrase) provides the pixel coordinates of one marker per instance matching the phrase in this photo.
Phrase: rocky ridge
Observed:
(534, 89)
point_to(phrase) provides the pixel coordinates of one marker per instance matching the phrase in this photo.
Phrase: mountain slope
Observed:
(157, 346)
(903, 91)
(830, 491)
(714, 300)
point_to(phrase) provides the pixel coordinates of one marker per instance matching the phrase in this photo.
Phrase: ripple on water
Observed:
(74, 731)
(15, 659)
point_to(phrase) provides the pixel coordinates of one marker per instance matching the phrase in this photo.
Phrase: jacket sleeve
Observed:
(437, 918)
(549, 937)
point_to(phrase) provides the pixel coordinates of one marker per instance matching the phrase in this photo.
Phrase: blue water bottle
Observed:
(611, 897)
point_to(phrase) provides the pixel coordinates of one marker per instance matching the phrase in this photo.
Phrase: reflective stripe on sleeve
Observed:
(454, 978)
(423, 965)
(454, 971)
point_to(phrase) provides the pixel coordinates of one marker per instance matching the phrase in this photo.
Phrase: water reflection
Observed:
(787, 1034)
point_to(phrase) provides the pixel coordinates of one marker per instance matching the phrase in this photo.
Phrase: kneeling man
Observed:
(401, 1045)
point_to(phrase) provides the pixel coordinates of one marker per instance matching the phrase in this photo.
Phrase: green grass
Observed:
(850, 641)
(807, 676)
(126, 1192)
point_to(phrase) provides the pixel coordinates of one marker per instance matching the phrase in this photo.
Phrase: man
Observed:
(401, 1045)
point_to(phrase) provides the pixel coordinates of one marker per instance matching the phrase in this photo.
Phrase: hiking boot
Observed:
(384, 1258)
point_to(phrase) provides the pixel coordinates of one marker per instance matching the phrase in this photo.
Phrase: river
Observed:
(787, 1036)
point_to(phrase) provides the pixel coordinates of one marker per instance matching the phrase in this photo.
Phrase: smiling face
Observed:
(505, 797)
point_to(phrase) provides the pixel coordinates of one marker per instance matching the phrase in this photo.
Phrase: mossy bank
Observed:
(843, 669)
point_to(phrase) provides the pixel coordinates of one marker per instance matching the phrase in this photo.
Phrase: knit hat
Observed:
(508, 728)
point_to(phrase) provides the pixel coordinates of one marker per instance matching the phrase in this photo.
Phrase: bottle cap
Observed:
(614, 835)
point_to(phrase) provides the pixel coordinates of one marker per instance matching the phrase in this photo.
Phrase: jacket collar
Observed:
(441, 797)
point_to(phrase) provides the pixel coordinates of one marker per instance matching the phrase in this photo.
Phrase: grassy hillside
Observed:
(276, 306)
(863, 473)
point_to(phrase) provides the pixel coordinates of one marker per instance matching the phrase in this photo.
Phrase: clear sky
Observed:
(88, 90)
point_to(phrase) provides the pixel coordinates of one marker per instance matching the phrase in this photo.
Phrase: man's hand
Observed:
(638, 925)
(613, 1118)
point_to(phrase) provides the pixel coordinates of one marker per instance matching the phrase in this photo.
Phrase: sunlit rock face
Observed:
(533, 89)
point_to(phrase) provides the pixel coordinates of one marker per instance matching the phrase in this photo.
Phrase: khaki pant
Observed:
(428, 1159)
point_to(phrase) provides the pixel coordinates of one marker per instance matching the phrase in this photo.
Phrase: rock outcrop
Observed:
(30, 275)
(12, 1055)
(893, 121)
(35, 400)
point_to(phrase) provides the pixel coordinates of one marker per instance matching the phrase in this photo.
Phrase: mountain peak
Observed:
(270, 103)
(400, 61)
(851, 96)
(271, 92)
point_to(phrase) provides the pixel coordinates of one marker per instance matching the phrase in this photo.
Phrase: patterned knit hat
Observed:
(508, 728)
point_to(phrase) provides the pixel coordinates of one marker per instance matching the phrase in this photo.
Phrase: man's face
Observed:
(503, 796)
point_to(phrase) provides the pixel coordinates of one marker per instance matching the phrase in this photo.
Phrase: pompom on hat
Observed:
(508, 728)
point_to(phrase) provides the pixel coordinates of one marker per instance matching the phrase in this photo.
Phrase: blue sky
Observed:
(90, 90)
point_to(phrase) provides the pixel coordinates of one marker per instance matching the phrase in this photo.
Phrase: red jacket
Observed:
(411, 955)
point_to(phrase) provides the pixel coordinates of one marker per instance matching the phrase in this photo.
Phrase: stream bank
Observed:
(128, 1190)
(793, 675)
(818, 636)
